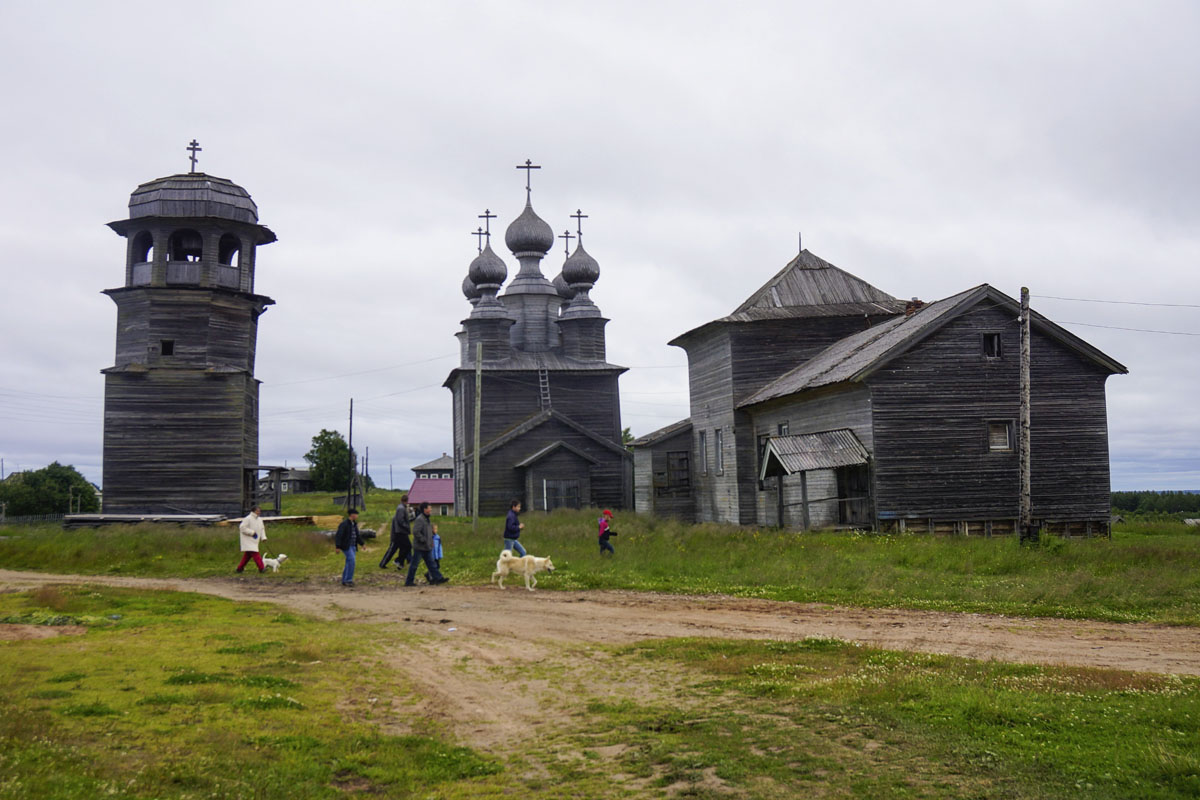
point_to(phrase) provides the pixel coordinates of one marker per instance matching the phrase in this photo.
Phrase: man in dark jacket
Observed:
(512, 529)
(347, 540)
(400, 547)
(422, 542)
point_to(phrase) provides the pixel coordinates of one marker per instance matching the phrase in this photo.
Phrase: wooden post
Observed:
(804, 518)
(350, 461)
(1026, 509)
(478, 415)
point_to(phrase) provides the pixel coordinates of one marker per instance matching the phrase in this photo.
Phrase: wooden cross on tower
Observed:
(567, 236)
(579, 217)
(487, 216)
(479, 232)
(194, 147)
(528, 166)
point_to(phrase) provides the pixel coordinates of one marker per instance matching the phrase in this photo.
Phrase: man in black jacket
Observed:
(400, 547)
(347, 540)
(422, 542)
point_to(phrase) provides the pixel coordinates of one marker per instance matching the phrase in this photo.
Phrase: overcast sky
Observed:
(924, 147)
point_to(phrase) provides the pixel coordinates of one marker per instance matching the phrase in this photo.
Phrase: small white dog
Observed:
(521, 565)
(274, 563)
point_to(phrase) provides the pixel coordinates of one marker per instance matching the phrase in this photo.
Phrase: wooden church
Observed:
(550, 413)
(181, 399)
(822, 401)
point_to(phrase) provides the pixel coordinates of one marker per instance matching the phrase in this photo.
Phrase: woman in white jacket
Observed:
(251, 532)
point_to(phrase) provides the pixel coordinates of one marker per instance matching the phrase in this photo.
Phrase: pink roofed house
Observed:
(433, 482)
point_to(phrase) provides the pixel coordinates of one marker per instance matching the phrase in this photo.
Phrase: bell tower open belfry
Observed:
(181, 400)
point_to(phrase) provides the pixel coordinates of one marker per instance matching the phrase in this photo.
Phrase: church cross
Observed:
(579, 217)
(479, 241)
(487, 216)
(194, 147)
(567, 236)
(528, 166)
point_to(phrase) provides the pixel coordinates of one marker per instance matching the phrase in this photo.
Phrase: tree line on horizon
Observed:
(1150, 501)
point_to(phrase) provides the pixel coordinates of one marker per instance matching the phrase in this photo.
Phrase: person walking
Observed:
(348, 540)
(605, 532)
(252, 532)
(422, 542)
(512, 528)
(400, 546)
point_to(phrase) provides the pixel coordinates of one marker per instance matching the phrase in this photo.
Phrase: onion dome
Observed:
(562, 287)
(580, 268)
(488, 269)
(529, 233)
(470, 290)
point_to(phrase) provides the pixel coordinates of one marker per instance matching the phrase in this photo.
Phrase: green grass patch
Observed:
(150, 708)
(835, 719)
(1144, 573)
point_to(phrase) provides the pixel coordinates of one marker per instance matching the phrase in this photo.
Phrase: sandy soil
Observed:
(491, 663)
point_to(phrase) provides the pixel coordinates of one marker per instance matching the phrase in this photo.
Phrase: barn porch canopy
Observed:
(802, 452)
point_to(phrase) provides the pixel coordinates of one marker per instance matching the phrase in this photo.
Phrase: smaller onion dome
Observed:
(562, 287)
(470, 290)
(488, 269)
(580, 268)
(529, 233)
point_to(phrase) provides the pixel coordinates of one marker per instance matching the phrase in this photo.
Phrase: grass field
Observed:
(1144, 573)
(170, 695)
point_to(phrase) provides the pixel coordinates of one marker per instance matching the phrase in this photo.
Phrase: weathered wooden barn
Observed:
(550, 422)
(824, 402)
(181, 399)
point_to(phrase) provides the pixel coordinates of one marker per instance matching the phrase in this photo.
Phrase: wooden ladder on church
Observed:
(544, 387)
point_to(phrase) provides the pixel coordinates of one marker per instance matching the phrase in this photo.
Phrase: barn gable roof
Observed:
(440, 463)
(808, 286)
(541, 418)
(855, 357)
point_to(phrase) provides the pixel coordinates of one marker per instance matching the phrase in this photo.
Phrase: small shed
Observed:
(665, 456)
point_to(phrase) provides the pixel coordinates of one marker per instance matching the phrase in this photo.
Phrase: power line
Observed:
(1119, 302)
(365, 371)
(1138, 330)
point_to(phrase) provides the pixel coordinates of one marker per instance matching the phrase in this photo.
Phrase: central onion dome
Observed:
(580, 268)
(529, 233)
(488, 269)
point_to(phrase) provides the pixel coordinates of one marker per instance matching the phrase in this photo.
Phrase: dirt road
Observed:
(484, 613)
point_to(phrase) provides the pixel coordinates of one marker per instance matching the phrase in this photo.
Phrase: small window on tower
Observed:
(991, 345)
(168, 347)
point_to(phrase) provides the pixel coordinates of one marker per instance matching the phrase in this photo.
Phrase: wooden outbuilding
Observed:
(824, 402)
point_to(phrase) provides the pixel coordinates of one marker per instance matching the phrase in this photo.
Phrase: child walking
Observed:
(606, 532)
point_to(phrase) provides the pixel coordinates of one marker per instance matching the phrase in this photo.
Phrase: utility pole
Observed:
(391, 483)
(1028, 533)
(475, 451)
(366, 470)
(350, 460)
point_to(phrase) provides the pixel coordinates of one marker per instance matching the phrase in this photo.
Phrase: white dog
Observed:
(521, 565)
(274, 563)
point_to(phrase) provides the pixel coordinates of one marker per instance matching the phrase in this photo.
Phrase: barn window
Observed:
(227, 250)
(1000, 439)
(703, 452)
(445, 510)
(783, 428)
(718, 446)
(143, 248)
(424, 475)
(445, 475)
(167, 347)
(678, 478)
(185, 245)
(991, 345)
